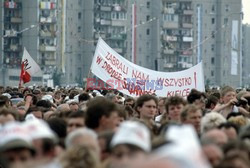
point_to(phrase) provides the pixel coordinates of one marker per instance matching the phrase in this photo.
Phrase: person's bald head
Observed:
(216, 136)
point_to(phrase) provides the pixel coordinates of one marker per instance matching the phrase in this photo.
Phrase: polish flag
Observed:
(28, 67)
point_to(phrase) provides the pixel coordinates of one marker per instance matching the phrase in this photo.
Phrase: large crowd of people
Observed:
(78, 128)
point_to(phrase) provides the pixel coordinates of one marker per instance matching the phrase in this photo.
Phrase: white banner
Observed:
(133, 80)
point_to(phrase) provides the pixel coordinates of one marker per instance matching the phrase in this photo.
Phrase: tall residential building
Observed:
(177, 34)
(217, 36)
(86, 21)
(30, 24)
(246, 55)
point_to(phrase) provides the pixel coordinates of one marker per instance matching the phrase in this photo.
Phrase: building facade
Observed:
(31, 24)
(246, 55)
(217, 35)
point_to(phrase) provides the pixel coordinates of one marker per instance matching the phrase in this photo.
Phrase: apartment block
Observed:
(31, 24)
(217, 36)
(246, 55)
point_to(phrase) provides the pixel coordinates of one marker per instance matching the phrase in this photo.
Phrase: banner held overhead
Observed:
(133, 80)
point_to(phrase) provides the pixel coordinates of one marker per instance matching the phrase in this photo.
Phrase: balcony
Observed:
(47, 48)
(168, 10)
(187, 39)
(188, 12)
(118, 50)
(118, 36)
(13, 5)
(187, 52)
(47, 33)
(16, 20)
(102, 35)
(50, 62)
(118, 22)
(170, 25)
(105, 8)
(47, 5)
(169, 38)
(48, 19)
(168, 51)
(105, 22)
(187, 25)
(11, 33)
(13, 48)
(168, 65)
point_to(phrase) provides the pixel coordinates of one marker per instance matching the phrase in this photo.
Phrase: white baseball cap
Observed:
(133, 133)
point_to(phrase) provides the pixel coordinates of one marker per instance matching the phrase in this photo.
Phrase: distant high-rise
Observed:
(246, 55)
(217, 35)
(31, 24)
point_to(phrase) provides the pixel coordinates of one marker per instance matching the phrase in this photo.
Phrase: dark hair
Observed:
(211, 100)
(228, 125)
(97, 108)
(31, 109)
(174, 100)
(76, 114)
(194, 95)
(59, 126)
(140, 101)
(83, 97)
(44, 103)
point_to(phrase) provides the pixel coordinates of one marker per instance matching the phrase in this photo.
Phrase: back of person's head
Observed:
(83, 97)
(228, 125)
(194, 95)
(226, 89)
(211, 101)
(97, 108)
(59, 126)
(4, 101)
(73, 93)
(211, 120)
(44, 103)
(173, 101)
(240, 121)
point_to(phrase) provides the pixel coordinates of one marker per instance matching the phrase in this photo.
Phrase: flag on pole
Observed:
(28, 67)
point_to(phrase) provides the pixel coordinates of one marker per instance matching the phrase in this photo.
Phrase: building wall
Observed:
(216, 38)
(246, 55)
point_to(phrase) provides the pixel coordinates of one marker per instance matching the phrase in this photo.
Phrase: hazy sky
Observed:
(246, 10)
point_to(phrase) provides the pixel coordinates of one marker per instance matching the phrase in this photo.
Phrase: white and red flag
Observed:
(28, 67)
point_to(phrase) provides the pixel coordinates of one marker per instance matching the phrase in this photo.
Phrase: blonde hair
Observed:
(80, 157)
(239, 120)
(211, 120)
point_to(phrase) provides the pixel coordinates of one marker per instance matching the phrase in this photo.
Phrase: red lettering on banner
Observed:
(182, 93)
(98, 60)
(139, 75)
(117, 64)
(113, 73)
(174, 82)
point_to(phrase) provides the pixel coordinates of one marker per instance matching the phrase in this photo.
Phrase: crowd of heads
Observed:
(73, 127)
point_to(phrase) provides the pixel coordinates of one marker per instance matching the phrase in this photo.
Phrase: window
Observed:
(213, 34)
(148, 4)
(148, 18)
(213, 8)
(79, 29)
(212, 47)
(212, 73)
(212, 60)
(225, 21)
(79, 15)
(213, 20)
(227, 8)
(148, 31)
